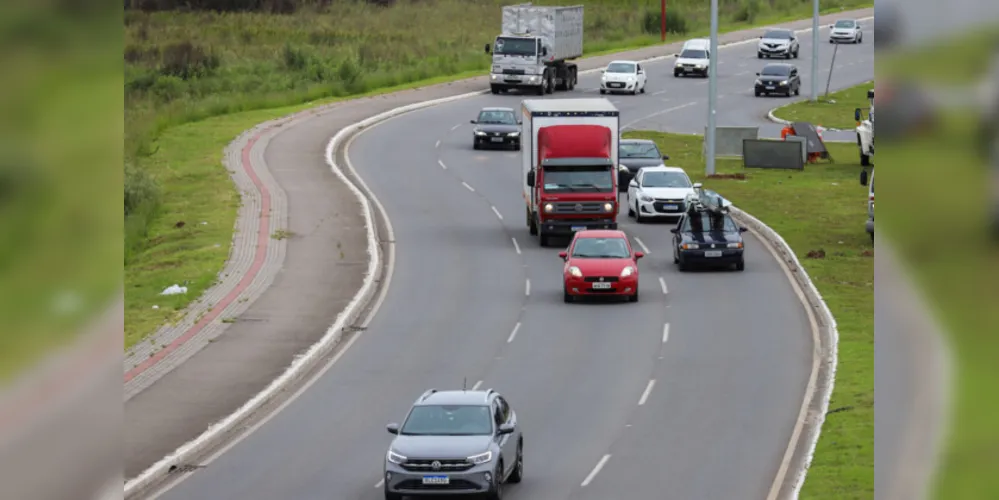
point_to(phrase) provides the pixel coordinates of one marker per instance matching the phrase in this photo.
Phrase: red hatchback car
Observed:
(600, 262)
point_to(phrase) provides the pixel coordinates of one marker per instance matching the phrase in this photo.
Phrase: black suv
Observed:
(455, 442)
(707, 238)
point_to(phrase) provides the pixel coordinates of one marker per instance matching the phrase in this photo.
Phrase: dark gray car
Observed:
(496, 127)
(633, 154)
(453, 443)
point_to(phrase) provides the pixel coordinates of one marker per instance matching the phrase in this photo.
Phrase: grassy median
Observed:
(832, 111)
(820, 212)
(193, 80)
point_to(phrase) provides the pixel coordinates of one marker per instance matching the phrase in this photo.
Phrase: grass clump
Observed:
(831, 111)
(820, 212)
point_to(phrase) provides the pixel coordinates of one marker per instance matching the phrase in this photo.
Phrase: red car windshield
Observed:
(601, 248)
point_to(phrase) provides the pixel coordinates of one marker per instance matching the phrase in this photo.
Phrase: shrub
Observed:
(676, 22)
(187, 60)
(747, 11)
(140, 189)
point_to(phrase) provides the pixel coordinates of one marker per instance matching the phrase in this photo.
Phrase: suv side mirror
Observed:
(473, 122)
(487, 48)
(665, 157)
(856, 114)
(506, 429)
(633, 183)
(863, 177)
(639, 255)
(743, 229)
(757, 74)
(530, 179)
(392, 428)
(563, 255)
(544, 51)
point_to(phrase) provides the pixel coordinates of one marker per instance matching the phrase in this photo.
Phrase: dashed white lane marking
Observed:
(476, 386)
(648, 390)
(513, 334)
(665, 332)
(498, 215)
(470, 188)
(455, 127)
(662, 283)
(515, 245)
(379, 483)
(657, 113)
(644, 248)
(438, 144)
(442, 164)
(527, 289)
(596, 470)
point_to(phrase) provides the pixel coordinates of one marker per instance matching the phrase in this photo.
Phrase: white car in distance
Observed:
(694, 59)
(623, 76)
(846, 31)
(658, 192)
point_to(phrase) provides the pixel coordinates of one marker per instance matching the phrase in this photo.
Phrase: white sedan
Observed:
(846, 30)
(623, 76)
(657, 192)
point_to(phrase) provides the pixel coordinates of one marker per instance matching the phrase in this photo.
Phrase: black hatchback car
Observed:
(778, 78)
(496, 127)
(633, 155)
(708, 239)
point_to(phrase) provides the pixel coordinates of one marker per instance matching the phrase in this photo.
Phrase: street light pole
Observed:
(815, 50)
(662, 20)
(709, 167)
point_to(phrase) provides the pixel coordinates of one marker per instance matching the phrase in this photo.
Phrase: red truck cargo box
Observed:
(574, 141)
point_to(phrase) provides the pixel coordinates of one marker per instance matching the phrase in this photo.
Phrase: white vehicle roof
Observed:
(622, 61)
(664, 168)
(697, 43)
(569, 105)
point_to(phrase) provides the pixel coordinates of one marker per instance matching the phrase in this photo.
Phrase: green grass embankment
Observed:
(833, 111)
(820, 212)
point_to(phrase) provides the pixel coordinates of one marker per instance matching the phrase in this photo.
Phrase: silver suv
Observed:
(455, 442)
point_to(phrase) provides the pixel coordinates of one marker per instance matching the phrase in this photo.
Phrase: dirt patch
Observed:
(867, 253)
(740, 177)
(816, 254)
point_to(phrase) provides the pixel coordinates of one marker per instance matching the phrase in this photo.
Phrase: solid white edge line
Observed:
(223, 426)
(513, 334)
(441, 163)
(662, 283)
(595, 471)
(470, 188)
(665, 332)
(498, 215)
(516, 246)
(527, 288)
(648, 390)
(641, 244)
(476, 386)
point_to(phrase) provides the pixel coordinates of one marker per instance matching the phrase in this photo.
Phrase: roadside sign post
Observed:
(709, 167)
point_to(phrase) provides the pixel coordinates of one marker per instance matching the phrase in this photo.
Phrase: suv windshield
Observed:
(497, 117)
(601, 248)
(443, 420)
(705, 222)
(515, 46)
(562, 179)
(621, 68)
(778, 35)
(776, 71)
(693, 54)
(665, 179)
(639, 150)
(844, 24)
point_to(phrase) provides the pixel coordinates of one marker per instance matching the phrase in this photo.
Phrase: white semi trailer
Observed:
(534, 49)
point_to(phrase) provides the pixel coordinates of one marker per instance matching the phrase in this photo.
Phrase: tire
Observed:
(757, 92)
(676, 260)
(550, 87)
(682, 265)
(392, 496)
(566, 297)
(542, 239)
(494, 89)
(831, 41)
(740, 266)
(631, 211)
(860, 39)
(643, 89)
(797, 90)
(638, 216)
(759, 55)
(497, 492)
(531, 225)
(518, 470)
(633, 298)
(602, 91)
(865, 160)
(676, 74)
(475, 145)
(572, 80)
(540, 90)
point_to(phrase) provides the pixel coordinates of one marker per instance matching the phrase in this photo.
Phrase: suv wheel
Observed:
(518, 470)
(392, 496)
(497, 492)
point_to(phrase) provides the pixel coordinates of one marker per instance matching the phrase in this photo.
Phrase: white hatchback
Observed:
(846, 31)
(658, 192)
(623, 76)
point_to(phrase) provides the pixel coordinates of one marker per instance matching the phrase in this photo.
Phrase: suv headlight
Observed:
(395, 457)
(575, 272)
(481, 458)
(513, 134)
(608, 207)
(479, 133)
(628, 271)
(549, 207)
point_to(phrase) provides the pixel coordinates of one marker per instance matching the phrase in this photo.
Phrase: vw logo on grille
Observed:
(601, 278)
(435, 465)
(579, 207)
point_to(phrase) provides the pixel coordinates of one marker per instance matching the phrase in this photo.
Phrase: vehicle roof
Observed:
(569, 105)
(663, 168)
(697, 42)
(496, 108)
(601, 233)
(783, 65)
(636, 141)
(622, 61)
(779, 29)
(456, 397)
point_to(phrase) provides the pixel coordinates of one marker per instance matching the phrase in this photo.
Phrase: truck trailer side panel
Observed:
(561, 28)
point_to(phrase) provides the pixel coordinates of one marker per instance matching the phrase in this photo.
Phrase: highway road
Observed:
(690, 393)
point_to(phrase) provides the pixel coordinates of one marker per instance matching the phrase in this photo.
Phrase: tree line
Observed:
(270, 6)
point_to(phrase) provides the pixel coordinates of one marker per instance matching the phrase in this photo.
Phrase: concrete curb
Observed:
(826, 351)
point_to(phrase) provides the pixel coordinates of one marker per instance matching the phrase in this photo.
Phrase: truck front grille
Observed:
(579, 208)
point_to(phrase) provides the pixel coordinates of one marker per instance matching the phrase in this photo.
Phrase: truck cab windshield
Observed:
(515, 46)
(578, 179)
(708, 223)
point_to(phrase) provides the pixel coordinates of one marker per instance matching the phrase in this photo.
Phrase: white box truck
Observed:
(534, 47)
(569, 152)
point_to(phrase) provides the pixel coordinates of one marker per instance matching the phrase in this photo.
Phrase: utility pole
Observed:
(815, 50)
(662, 20)
(709, 167)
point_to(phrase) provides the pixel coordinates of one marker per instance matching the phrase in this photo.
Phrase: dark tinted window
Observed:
(665, 179)
(606, 248)
(497, 117)
(776, 71)
(447, 420)
(703, 221)
(778, 34)
(639, 150)
(621, 68)
(515, 46)
(694, 54)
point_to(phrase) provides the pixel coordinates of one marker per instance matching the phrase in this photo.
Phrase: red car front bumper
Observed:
(610, 286)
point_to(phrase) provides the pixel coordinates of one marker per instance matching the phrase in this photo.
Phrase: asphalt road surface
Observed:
(474, 297)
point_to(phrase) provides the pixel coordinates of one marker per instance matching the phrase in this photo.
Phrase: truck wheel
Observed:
(543, 239)
(531, 225)
(575, 79)
(551, 84)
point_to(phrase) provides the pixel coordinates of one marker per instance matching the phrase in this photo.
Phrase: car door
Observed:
(633, 188)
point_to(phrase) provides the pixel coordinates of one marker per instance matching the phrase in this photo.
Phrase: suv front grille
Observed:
(447, 465)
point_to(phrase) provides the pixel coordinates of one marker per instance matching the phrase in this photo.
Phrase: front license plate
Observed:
(497, 139)
(601, 286)
(713, 253)
(436, 480)
(578, 228)
(770, 88)
(670, 207)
